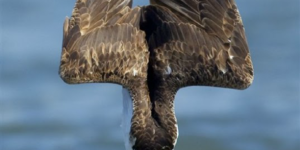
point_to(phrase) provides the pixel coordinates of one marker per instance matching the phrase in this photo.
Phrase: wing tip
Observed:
(64, 77)
(247, 80)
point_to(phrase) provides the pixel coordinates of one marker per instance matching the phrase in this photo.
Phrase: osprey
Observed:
(153, 51)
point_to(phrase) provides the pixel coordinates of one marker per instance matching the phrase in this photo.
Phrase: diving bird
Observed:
(153, 51)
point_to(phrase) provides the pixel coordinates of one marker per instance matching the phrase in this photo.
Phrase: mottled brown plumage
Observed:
(154, 51)
(103, 43)
(203, 42)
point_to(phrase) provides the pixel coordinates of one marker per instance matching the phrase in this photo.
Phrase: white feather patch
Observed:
(224, 70)
(176, 126)
(135, 72)
(168, 70)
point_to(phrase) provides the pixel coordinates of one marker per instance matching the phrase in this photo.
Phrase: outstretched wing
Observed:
(197, 42)
(102, 42)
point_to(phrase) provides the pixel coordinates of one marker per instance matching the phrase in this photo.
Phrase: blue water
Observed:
(38, 111)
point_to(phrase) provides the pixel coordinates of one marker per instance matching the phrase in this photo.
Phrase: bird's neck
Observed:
(148, 123)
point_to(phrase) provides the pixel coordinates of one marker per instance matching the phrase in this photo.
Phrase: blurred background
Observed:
(38, 111)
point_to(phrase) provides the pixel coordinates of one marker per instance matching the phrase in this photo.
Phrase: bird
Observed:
(153, 51)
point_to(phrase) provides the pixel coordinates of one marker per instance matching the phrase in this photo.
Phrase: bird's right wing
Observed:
(102, 42)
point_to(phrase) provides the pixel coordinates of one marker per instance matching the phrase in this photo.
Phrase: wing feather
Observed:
(103, 43)
(203, 43)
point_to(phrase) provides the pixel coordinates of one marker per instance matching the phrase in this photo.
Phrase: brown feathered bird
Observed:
(153, 51)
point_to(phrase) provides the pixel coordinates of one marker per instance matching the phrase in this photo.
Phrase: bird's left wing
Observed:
(102, 42)
(197, 42)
